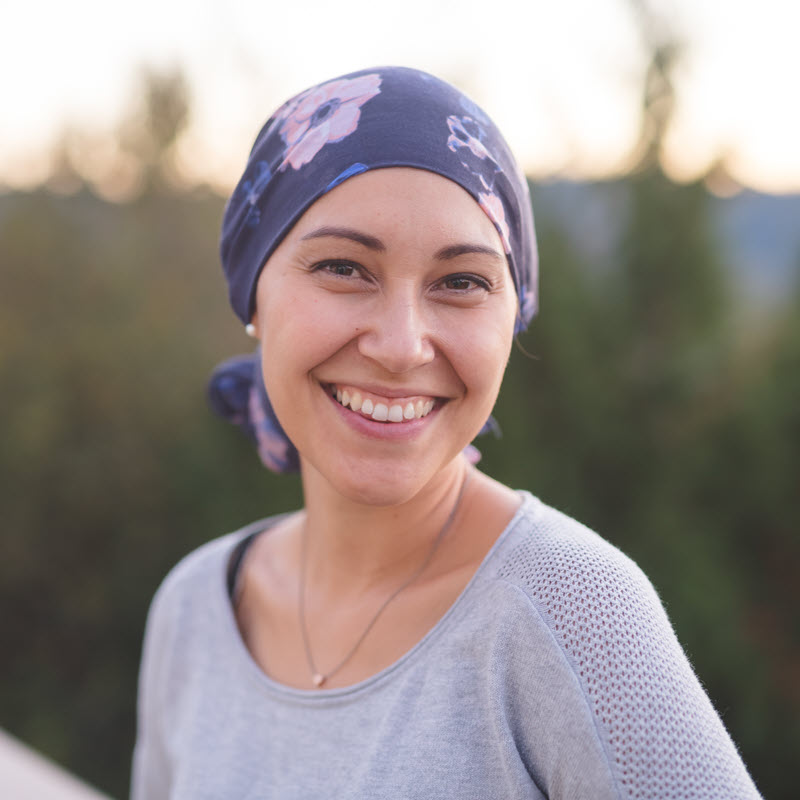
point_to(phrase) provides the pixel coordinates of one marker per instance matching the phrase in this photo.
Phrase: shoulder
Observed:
(553, 557)
(186, 614)
(194, 572)
(600, 608)
(546, 553)
(190, 607)
(659, 730)
(602, 611)
(193, 583)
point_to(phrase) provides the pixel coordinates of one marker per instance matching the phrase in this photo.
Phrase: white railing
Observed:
(26, 775)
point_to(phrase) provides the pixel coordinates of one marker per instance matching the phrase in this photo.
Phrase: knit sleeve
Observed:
(660, 732)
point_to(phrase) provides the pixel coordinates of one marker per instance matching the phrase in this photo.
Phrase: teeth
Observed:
(381, 412)
(396, 414)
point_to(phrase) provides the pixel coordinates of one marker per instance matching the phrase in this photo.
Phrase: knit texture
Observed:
(556, 674)
(609, 621)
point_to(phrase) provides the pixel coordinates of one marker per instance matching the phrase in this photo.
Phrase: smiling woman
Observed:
(417, 630)
(394, 289)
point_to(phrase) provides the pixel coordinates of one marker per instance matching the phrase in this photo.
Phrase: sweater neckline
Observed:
(246, 664)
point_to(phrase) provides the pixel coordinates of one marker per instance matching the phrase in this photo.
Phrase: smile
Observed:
(382, 409)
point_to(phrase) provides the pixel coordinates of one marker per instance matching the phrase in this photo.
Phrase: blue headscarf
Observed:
(372, 119)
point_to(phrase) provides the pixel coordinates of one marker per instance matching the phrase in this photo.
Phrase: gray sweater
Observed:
(555, 674)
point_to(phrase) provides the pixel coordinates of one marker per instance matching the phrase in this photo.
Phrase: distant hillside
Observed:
(758, 234)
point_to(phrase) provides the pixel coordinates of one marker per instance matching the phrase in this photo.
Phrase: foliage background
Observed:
(647, 400)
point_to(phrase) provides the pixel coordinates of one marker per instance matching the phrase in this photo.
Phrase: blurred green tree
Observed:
(151, 130)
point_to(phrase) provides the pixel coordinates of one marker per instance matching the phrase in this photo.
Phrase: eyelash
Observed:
(479, 283)
(324, 266)
(330, 266)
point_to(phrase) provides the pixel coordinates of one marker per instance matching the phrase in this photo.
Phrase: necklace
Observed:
(319, 678)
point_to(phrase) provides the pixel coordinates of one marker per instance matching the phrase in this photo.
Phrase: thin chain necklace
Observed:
(319, 678)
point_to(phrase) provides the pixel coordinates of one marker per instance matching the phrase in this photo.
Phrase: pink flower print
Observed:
(493, 207)
(465, 132)
(527, 308)
(272, 448)
(324, 114)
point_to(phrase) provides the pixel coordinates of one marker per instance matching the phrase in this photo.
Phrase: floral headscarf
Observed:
(372, 119)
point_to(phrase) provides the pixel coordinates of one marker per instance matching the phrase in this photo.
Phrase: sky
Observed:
(562, 79)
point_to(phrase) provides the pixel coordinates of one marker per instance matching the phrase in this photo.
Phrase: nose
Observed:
(396, 334)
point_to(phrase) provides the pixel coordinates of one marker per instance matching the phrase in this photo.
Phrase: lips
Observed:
(381, 408)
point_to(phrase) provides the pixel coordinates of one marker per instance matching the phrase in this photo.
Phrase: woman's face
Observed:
(386, 316)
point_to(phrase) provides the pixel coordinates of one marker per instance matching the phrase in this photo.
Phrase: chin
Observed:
(380, 483)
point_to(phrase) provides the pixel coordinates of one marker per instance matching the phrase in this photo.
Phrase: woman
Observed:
(417, 630)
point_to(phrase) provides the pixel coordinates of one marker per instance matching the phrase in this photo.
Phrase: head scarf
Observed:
(372, 119)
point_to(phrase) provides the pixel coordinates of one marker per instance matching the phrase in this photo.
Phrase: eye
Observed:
(339, 269)
(465, 282)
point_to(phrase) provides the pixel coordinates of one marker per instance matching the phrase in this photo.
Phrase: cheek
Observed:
(479, 353)
(303, 329)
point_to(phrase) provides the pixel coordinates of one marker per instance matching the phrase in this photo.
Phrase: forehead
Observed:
(399, 201)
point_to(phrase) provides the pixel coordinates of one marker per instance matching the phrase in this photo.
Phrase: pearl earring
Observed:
(250, 330)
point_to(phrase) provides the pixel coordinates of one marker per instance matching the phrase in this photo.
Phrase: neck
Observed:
(353, 545)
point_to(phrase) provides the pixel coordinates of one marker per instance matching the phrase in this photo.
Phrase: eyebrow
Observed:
(347, 233)
(456, 250)
(373, 243)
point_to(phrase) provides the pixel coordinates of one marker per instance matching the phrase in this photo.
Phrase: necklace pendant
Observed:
(318, 680)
